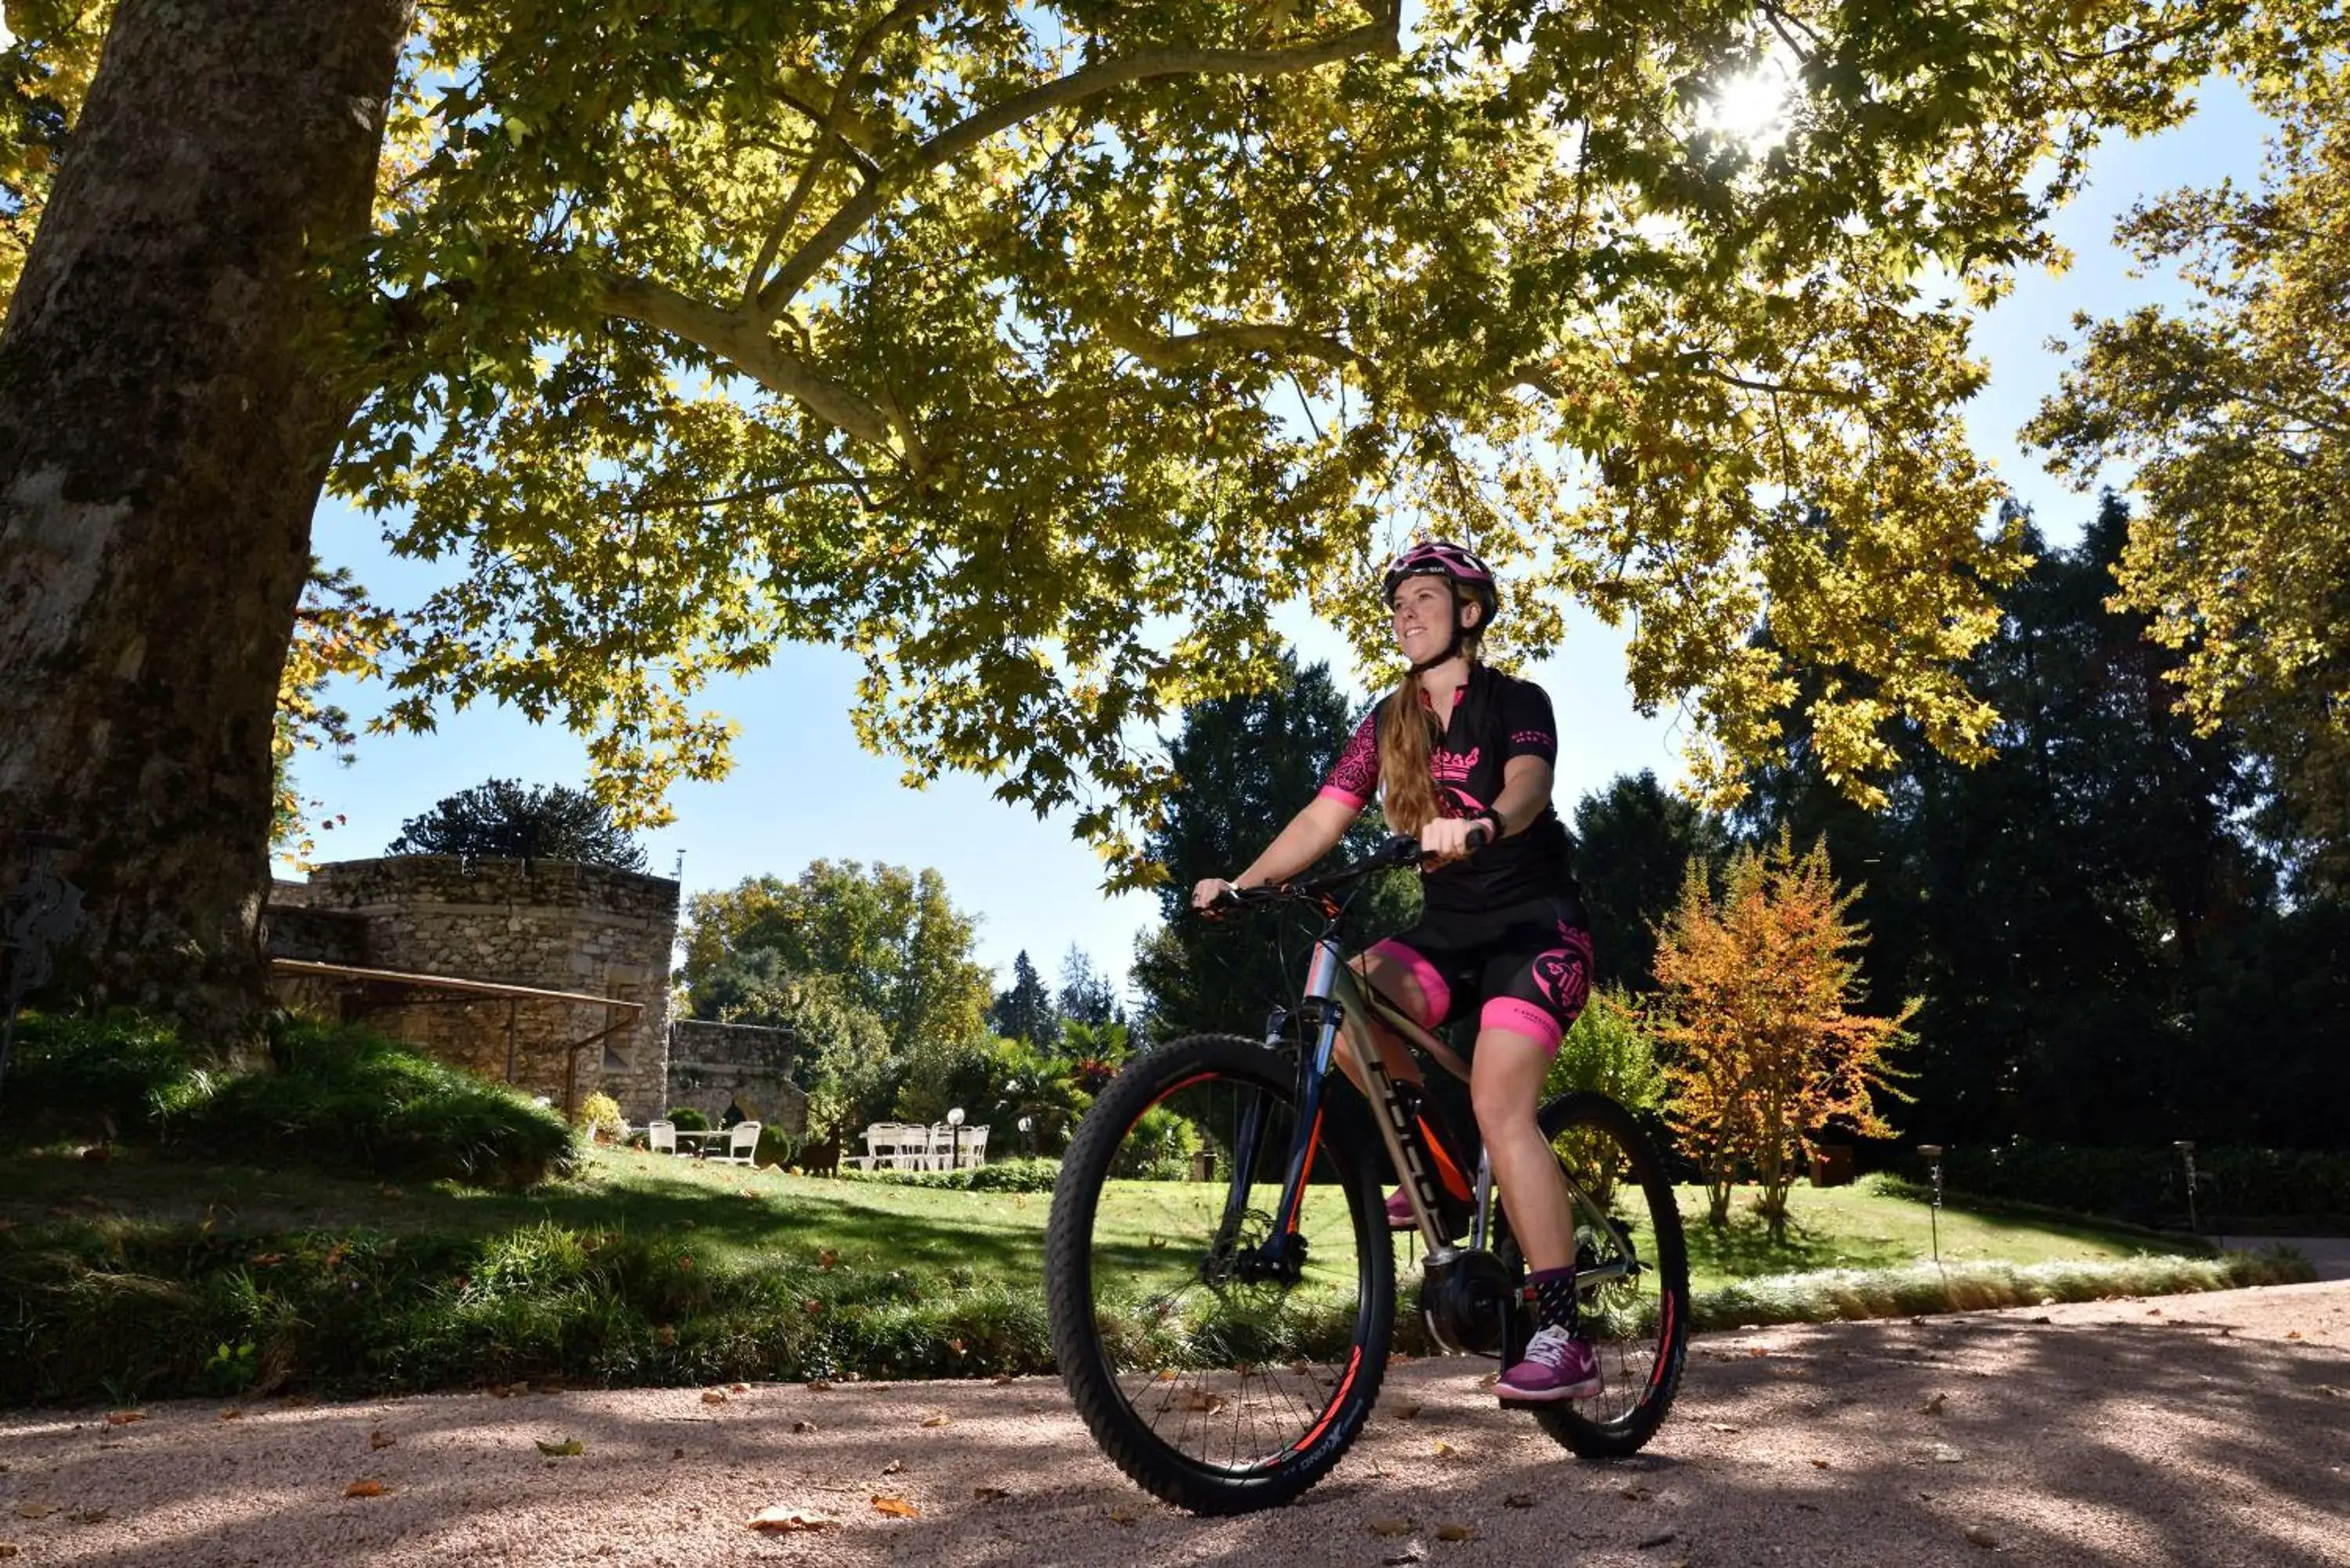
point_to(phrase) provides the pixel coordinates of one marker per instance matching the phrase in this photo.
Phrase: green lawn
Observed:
(733, 1214)
(1868, 1226)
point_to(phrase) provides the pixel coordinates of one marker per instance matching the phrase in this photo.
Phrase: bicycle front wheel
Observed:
(1215, 1381)
(1632, 1295)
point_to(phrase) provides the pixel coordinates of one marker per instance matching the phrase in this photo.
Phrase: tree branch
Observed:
(1172, 351)
(897, 16)
(1382, 34)
(742, 339)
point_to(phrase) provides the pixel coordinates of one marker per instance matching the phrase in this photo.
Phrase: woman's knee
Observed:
(1505, 1081)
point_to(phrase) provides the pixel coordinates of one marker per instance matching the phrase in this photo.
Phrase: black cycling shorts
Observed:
(1526, 967)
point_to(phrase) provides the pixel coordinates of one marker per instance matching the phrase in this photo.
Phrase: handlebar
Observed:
(1392, 854)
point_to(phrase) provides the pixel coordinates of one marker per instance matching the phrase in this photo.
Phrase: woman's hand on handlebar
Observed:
(1208, 890)
(1445, 839)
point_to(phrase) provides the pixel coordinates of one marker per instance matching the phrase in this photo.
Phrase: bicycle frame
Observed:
(1337, 1006)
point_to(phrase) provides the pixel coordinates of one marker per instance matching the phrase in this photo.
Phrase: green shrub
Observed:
(600, 1115)
(776, 1147)
(1610, 1050)
(1158, 1148)
(106, 1076)
(1003, 1176)
(344, 1100)
(685, 1118)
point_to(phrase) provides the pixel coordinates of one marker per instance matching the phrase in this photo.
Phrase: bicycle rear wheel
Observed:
(1632, 1298)
(1216, 1385)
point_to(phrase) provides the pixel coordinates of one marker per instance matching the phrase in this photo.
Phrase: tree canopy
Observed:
(504, 819)
(2233, 415)
(1034, 353)
(891, 939)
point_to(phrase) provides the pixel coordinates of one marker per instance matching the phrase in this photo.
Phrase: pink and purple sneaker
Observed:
(1557, 1366)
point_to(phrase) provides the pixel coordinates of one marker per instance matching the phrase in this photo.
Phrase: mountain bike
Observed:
(1219, 1267)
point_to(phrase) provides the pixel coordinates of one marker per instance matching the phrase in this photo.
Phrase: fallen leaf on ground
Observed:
(803, 1425)
(1946, 1455)
(380, 1439)
(232, 1415)
(1121, 1516)
(826, 1259)
(820, 1387)
(1456, 1533)
(895, 1506)
(784, 1519)
(569, 1449)
(712, 1397)
(1444, 1450)
(1933, 1405)
(364, 1488)
(1819, 1464)
(1391, 1527)
(9, 1549)
(1636, 1493)
(1720, 1427)
(741, 1388)
(2293, 1334)
(893, 1467)
(92, 1516)
(1200, 1399)
(939, 1420)
(1979, 1536)
(124, 1418)
(1664, 1540)
(1405, 1412)
(1489, 1380)
(2330, 1392)
(33, 1511)
(1518, 1499)
(1002, 1380)
(989, 1493)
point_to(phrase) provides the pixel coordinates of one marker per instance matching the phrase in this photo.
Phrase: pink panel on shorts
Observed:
(1434, 994)
(1520, 1017)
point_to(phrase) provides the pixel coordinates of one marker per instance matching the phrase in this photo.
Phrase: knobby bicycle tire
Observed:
(1220, 1352)
(1644, 1370)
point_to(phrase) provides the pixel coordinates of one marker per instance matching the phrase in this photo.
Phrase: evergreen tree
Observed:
(502, 820)
(1026, 1012)
(1086, 995)
(1634, 842)
(1247, 764)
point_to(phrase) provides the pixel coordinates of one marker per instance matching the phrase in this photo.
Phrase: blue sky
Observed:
(802, 789)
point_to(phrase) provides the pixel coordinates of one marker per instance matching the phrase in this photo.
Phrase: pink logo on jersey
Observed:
(1451, 767)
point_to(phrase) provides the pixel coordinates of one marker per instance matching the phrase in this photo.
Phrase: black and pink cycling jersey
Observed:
(1495, 717)
(1502, 930)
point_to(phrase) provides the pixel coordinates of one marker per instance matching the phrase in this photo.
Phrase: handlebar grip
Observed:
(1479, 835)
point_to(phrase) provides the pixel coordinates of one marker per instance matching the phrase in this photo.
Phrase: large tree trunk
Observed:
(166, 417)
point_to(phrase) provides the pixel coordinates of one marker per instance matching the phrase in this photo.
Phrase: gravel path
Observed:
(2202, 1431)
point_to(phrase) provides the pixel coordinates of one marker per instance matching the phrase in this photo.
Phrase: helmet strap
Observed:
(1451, 647)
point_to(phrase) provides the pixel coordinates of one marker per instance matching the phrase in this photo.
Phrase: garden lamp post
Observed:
(1028, 1132)
(1933, 1153)
(955, 1120)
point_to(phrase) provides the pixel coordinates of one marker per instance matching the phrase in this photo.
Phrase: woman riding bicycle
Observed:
(1460, 747)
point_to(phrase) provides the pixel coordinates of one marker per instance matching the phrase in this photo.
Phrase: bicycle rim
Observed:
(1215, 1389)
(1628, 1245)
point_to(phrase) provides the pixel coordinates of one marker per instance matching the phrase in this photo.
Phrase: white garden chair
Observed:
(741, 1144)
(661, 1137)
(974, 1146)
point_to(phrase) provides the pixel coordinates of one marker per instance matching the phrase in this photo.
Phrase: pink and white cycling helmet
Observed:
(1439, 559)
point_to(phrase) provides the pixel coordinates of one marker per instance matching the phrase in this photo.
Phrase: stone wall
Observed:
(711, 1065)
(550, 924)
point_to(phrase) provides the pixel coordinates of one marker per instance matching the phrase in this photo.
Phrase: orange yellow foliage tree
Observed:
(1762, 1049)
